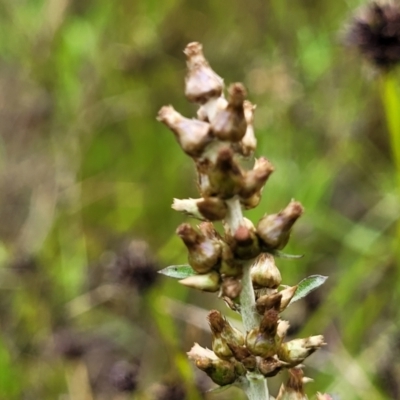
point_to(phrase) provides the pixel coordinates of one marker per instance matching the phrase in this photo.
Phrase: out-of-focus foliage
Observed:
(86, 169)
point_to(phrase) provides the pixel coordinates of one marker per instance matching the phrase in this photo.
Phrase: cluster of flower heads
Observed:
(218, 140)
(261, 350)
(375, 31)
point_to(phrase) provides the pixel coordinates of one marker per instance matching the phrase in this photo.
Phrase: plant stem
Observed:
(247, 301)
(391, 102)
(257, 388)
(234, 217)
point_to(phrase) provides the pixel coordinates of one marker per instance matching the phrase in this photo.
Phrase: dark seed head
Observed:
(69, 344)
(375, 31)
(123, 376)
(134, 266)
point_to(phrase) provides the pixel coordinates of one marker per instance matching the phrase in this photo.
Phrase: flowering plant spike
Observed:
(239, 263)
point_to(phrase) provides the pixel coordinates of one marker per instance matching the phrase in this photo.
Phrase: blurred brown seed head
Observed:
(375, 32)
(69, 344)
(135, 266)
(123, 376)
(172, 391)
(24, 264)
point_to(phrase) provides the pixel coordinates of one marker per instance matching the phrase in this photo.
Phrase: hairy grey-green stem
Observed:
(257, 388)
(247, 301)
(234, 216)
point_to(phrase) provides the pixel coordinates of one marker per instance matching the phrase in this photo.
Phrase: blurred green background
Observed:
(86, 169)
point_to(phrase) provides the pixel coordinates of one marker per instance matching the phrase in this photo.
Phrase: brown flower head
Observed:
(134, 266)
(24, 264)
(69, 344)
(123, 376)
(375, 31)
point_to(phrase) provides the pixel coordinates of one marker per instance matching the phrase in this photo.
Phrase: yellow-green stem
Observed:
(391, 102)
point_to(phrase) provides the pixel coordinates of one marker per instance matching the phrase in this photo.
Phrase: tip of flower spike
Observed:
(201, 83)
(194, 49)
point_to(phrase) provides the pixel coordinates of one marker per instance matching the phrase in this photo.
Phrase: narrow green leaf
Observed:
(220, 389)
(279, 254)
(307, 285)
(241, 382)
(178, 271)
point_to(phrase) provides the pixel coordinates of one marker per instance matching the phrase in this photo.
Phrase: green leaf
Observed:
(307, 285)
(220, 389)
(178, 271)
(241, 382)
(279, 254)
